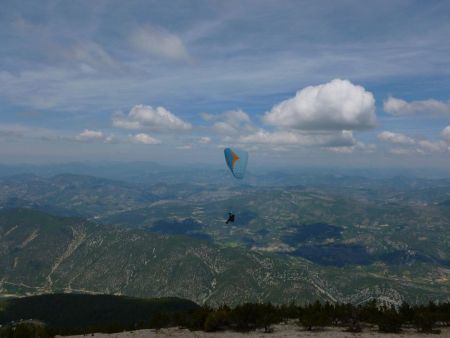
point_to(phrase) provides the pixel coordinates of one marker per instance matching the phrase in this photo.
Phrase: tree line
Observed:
(251, 316)
(254, 316)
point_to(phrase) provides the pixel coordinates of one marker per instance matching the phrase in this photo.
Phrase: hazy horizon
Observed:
(121, 169)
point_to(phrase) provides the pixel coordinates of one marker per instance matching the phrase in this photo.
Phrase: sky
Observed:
(295, 83)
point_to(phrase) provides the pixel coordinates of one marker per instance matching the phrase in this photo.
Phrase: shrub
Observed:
(216, 320)
(389, 321)
(425, 322)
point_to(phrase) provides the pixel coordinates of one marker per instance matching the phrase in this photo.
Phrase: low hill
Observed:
(76, 312)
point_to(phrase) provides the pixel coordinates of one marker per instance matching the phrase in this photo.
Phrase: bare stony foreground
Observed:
(281, 331)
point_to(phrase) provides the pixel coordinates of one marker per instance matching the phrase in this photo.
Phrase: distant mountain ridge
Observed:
(69, 194)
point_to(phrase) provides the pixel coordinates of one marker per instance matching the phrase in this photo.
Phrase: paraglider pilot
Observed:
(236, 161)
(230, 218)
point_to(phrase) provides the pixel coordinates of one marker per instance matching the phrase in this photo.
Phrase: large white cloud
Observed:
(159, 42)
(398, 107)
(336, 105)
(147, 117)
(236, 127)
(397, 138)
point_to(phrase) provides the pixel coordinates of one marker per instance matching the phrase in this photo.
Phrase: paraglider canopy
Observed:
(237, 161)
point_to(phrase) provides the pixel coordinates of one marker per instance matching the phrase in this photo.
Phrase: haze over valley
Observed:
(330, 237)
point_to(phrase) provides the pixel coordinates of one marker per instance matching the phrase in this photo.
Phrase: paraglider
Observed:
(237, 163)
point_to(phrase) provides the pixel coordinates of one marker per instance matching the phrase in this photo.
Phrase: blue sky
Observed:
(354, 83)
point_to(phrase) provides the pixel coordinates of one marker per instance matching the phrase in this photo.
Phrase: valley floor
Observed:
(281, 331)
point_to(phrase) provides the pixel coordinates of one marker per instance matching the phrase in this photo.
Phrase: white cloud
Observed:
(336, 105)
(396, 138)
(88, 135)
(147, 117)
(414, 145)
(91, 56)
(236, 117)
(324, 112)
(422, 147)
(208, 116)
(432, 147)
(224, 128)
(236, 127)
(332, 139)
(445, 133)
(110, 139)
(399, 107)
(400, 151)
(204, 140)
(232, 122)
(144, 139)
(159, 42)
(279, 137)
(357, 147)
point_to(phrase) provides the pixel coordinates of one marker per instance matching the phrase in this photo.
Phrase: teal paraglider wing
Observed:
(237, 161)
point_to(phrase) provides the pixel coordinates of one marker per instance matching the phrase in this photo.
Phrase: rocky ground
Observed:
(281, 331)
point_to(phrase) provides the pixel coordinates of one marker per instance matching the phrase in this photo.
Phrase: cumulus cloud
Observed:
(323, 116)
(400, 151)
(423, 147)
(236, 127)
(91, 56)
(147, 117)
(143, 139)
(336, 105)
(445, 133)
(159, 42)
(357, 147)
(400, 107)
(236, 116)
(204, 140)
(265, 137)
(331, 139)
(88, 135)
(396, 138)
(427, 146)
(208, 116)
(231, 122)
(414, 145)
